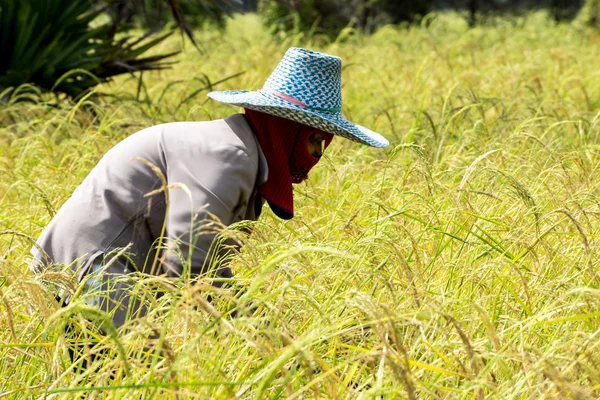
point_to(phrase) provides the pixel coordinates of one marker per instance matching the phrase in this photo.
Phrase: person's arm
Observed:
(208, 190)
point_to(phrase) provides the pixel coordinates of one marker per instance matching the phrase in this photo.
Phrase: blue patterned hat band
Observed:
(305, 87)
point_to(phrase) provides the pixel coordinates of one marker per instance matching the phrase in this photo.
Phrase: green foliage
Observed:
(157, 13)
(590, 13)
(331, 16)
(291, 16)
(52, 45)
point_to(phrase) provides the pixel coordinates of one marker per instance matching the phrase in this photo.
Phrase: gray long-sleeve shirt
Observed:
(212, 170)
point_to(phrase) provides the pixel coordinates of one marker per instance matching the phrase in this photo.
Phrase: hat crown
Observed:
(313, 78)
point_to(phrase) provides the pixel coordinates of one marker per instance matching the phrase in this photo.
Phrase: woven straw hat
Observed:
(305, 87)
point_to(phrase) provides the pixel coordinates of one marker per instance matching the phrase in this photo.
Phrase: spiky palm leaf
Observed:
(51, 44)
(155, 13)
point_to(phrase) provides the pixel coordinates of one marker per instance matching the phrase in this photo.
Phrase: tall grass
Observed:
(461, 262)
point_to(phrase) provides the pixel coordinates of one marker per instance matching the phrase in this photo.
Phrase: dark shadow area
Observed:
(331, 16)
(559, 9)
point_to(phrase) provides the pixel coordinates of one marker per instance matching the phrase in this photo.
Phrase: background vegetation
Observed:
(331, 16)
(461, 262)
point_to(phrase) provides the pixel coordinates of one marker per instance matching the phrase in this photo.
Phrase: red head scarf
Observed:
(285, 145)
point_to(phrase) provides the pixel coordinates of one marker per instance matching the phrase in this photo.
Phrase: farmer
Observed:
(176, 180)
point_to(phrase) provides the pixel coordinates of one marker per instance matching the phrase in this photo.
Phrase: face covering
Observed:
(285, 146)
(301, 160)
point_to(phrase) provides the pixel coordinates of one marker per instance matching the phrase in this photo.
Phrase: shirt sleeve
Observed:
(208, 190)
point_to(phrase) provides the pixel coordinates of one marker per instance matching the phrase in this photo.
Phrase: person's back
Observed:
(211, 167)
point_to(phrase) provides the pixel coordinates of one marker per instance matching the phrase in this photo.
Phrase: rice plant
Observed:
(460, 262)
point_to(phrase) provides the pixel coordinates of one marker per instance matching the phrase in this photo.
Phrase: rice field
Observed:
(461, 262)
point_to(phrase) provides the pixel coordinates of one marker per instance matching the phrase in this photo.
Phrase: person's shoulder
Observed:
(229, 134)
(238, 125)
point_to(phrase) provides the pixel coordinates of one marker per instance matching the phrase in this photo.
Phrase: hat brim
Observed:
(330, 122)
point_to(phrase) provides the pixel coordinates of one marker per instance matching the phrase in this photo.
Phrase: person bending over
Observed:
(158, 193)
